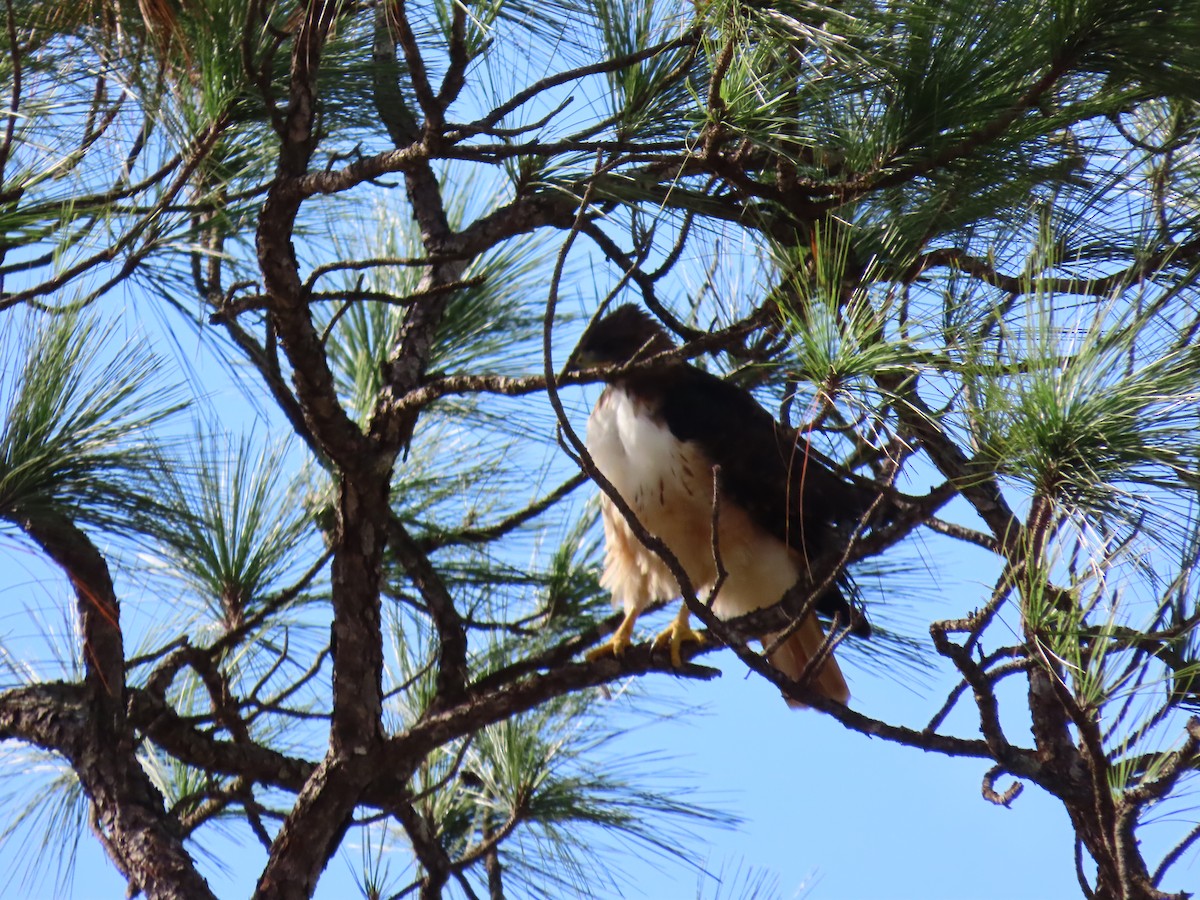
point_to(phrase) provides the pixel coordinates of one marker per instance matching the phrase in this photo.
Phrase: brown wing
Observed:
(765, 468)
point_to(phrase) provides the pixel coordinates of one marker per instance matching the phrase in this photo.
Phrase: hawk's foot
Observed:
(616, 645)
(677, 634)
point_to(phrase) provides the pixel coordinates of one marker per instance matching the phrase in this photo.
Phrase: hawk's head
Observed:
(625, 334)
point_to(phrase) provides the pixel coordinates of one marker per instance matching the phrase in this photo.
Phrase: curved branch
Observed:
(139, 834)
(452, 635)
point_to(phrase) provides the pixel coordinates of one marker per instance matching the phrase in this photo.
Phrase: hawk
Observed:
(657, 435)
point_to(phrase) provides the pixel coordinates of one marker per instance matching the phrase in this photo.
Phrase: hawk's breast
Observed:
(668, 483)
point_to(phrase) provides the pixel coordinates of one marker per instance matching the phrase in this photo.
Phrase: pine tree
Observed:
(342, 605)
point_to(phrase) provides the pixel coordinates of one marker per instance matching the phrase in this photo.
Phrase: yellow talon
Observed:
(677, 634)
(617, 644)
(611, 647)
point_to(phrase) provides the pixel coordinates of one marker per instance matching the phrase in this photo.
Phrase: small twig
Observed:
(632, 271)
(280, 658)
(994, 675)
(718, 562)
(974, 624)
(1173, 765)
(14, 102)
(273, 704)
(457, 132)
(833, 637)
(244, 790)
(412, 679)
(492, 840)
(963, 533)
(465, 885)
(676, 251)
(354, 265)
(985, 697)
(428, 849)
(1174, 854)
(147, 225)
(271, 606)
(452, 635)
(333, 320)
(611, 65)
(418, 77)
(505, 525)
(455, 77)
(363, 295)
(406, 890)
(716, 104)
(989, 788)
(451, 773)
(814, 591)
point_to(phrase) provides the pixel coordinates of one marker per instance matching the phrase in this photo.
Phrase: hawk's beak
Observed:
(581, 359)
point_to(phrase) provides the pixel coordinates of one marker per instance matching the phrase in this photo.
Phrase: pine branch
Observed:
(128, 810)
(452, 636)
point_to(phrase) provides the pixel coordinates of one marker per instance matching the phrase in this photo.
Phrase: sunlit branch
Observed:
(1102, 287)
(519, 99)
(505, 525)
(148, 223)
(452, 662)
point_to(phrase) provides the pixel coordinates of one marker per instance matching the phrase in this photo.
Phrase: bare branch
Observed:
(612, 65)
(508, 523)
(452, 636)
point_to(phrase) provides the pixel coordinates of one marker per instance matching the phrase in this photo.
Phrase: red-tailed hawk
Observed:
(657, 436)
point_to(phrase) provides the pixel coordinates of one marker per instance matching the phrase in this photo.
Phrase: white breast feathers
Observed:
(669, 485)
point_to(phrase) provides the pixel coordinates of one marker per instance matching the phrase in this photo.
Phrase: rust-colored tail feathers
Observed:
(794, 654)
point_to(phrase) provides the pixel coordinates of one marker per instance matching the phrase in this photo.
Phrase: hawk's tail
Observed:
(792, 657)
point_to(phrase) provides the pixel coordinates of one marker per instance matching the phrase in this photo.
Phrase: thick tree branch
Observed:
(255, 762)
(143, 840)
(314, 828)
(338, 436)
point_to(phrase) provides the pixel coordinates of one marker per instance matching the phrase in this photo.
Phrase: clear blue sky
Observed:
(829, 814)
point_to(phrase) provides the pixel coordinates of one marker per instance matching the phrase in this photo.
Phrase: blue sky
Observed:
(828, 814)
